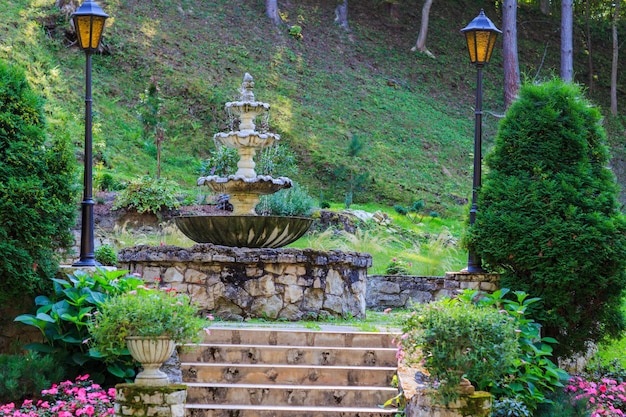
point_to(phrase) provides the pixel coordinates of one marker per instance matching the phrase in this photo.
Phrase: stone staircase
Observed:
(295, 372)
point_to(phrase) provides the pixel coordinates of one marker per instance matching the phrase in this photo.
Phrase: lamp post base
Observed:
(473, 270)
(87, 262)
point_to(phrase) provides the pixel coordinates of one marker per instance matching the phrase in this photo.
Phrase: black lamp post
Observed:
(481, 36)
(89, 24)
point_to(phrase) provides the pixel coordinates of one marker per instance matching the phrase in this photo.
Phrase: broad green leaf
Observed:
(42, 300)
(39, 347)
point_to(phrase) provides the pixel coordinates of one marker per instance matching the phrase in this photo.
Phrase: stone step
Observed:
(215, 410)
(299, 337)
(287, 374)
(288, 395)
(290, 355)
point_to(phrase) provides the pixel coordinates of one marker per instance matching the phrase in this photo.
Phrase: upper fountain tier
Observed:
(247, 109)
(245, 187)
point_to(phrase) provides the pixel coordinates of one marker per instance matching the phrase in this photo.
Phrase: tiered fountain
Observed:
(238, 268)
(244, 228)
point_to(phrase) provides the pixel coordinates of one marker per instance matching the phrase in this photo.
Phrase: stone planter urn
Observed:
(150, 353)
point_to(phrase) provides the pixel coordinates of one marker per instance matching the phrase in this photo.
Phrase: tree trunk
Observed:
(614, 63)
(392, 6)
(420, 45)
(544, 7)
(567, 57)
(509, 52)
(589, 54)
(271, 9)
(67, 7)
(341, 15)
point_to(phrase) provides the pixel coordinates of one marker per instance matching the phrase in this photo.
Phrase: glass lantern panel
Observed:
(483, 49)
(83, 30)
(471, 44)
(97, 26)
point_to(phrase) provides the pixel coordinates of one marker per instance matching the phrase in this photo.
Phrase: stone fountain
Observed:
(244, 228)
(239, 269)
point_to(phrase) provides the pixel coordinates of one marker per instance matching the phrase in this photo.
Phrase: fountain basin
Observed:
(237, 184)
(244, 231)
(246, 138)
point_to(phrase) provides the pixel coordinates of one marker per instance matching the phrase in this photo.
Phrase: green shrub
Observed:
(222, 162)
(397, 267)
(533, 378)
(148, 195)
(563, 405)
(24, 376)
(295, 31)
(401, 210)
(453, 338)
(294, 201)
(37, 191)
(596, 371)
(146, 312)
(106, 182)
(63, 319)
(277, 161)
(106, 255)
(549, 219)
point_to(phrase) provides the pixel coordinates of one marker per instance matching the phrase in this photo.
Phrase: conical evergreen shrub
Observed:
(548, 216)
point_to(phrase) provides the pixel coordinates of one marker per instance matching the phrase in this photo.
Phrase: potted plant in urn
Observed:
(149, 323)
(457, 342)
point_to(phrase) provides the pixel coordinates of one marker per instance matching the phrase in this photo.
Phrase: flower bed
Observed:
(606, 398)
(67, 399)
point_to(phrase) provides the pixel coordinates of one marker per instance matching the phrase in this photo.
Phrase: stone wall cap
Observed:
(206, 252)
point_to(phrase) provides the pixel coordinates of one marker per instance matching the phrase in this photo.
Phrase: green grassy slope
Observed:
(413, 114)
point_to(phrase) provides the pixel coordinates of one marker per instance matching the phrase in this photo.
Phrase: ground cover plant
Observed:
(25, 375)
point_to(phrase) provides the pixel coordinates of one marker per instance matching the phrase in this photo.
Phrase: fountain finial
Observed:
(246, 88)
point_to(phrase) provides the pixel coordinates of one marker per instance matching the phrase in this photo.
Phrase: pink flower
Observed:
(79, 398)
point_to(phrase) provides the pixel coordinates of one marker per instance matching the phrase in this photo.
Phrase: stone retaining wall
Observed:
(399, 291)
(237, 283)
